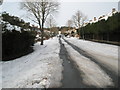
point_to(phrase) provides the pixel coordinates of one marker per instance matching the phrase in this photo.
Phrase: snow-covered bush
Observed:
(16, 44)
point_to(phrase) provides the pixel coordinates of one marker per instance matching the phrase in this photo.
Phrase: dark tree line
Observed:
(108, 30)
(16, 43)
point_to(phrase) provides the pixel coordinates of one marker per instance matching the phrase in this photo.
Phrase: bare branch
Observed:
(40, 9)
(50, 22)
(78, 19)
(69, 23)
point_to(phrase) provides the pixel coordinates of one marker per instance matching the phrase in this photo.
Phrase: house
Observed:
(71, 32)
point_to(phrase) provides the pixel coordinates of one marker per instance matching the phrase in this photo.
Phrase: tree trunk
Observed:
(42, 32)
(79, 33)
(42, 35)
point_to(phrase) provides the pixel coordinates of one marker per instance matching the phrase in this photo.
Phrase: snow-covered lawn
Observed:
(105, 53)
(42, 68)
(92, 74)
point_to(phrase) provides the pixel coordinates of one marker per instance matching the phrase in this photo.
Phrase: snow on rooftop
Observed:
(103, 16)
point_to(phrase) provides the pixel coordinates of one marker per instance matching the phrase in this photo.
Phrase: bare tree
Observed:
(51, 23)
(69, 23)
(40, 9)
(79, 20)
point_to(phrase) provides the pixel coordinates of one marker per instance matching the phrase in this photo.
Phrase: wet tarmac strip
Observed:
(71, 75)
(84, 53)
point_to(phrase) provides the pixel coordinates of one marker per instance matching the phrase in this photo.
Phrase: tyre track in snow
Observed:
(87, 55)
(71, 76)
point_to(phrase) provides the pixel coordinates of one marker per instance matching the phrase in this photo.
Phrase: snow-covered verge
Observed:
(105, 53)
(92, 74)
(42, 68)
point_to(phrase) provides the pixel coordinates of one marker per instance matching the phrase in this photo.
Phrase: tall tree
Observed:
(40, 9)
(69, 23)
(79, 20)
(50, 23)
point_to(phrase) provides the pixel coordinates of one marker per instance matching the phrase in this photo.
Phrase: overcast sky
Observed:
(67, 9)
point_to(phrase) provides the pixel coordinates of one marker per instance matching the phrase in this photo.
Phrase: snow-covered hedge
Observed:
(16, 44)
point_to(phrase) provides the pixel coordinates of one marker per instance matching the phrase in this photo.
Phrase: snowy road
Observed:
(98, 73)
(65, 63)
(71, 75)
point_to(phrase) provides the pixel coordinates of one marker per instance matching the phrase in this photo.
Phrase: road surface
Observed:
(73, 76)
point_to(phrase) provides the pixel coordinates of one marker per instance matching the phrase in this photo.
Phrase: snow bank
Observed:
(105, 53)
(92, 74)
(42, 68)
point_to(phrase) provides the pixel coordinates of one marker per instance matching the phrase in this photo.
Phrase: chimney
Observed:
(95, 19)
(113, 10)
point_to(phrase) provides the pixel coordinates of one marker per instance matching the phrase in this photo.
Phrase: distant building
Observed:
(71, 32)
(59, 32)
(35, 28)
